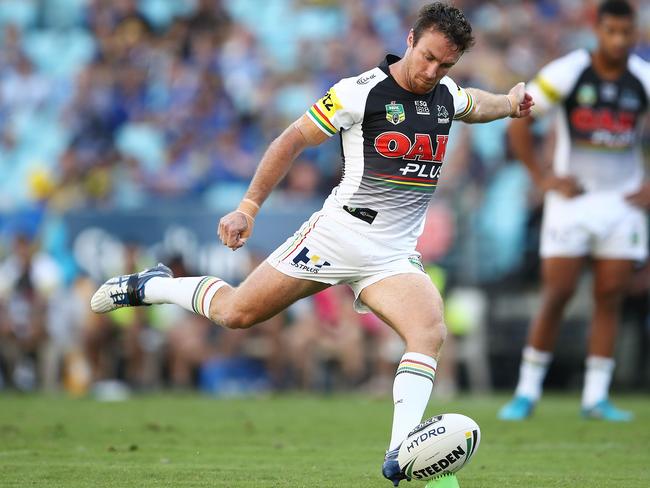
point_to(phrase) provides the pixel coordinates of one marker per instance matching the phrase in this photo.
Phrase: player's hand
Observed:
(521, 102)
(234, 229)
(640, 198)
(566, 186)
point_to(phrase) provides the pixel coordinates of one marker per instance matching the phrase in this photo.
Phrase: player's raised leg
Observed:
(559, 280)
(263, 294)
(611, 278)
(411, 305)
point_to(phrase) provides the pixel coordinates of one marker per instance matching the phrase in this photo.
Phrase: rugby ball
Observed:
(440, 445)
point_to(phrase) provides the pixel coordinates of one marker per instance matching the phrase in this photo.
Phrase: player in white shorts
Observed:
(595, 203)
(394, 125)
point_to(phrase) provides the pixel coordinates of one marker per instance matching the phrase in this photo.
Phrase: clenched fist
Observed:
(521, 102)
(235, 228)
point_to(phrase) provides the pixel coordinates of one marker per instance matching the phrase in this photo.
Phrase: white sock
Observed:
(193, 294)
(598, 376)
(534, 365)
(411, 391)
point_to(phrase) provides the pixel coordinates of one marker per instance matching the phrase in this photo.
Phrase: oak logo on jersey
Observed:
(306, 261)
(394, 144)
(395, 113)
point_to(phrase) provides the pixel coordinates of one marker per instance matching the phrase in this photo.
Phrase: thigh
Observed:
(411, 305)
(612, 276)
(561, 273)
(267, 291)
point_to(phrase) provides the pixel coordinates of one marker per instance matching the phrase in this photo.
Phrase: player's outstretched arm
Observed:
(490, 106)
(521, 141)
(235, 227)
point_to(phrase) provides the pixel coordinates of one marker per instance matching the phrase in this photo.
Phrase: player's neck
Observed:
(607, 68)
(397, 72)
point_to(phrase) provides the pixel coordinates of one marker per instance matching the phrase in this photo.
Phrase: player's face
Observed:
(429, 60)
(616, 37)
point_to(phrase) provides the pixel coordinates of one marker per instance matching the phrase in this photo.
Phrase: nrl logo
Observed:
(443, 115)
(395, 113)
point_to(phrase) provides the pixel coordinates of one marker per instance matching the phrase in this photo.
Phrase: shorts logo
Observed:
(421, 107)
(395, 113)
(443, 115)
(415, 261)
(312, 263)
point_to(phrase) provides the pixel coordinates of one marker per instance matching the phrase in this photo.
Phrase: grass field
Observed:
(299, 441)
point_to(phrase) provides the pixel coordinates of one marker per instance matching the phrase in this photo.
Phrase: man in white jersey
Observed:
(394, 125)
(595, 200)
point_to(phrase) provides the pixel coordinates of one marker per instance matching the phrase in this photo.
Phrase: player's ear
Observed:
(410, 38)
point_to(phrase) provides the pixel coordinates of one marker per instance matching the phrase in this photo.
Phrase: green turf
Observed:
(297, 441)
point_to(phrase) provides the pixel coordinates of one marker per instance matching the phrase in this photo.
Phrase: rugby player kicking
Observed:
(394, 123)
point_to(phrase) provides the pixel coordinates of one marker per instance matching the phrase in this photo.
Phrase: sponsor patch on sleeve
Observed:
(547, 89)
(324, 110)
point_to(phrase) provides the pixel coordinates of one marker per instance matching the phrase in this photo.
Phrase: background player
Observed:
(394, 122)
(595, 200)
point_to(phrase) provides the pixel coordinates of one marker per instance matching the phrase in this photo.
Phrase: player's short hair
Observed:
(616, 8)
(447, 20)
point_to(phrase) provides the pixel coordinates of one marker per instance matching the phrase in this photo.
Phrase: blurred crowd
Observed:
(140, 104)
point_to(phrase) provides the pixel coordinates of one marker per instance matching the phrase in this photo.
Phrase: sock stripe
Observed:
(199, 293)
(400, 371)
(417, 368)
(418, 363)
(207, 314)
(196, 290)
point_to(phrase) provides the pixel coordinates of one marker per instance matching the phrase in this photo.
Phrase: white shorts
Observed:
(325, 250)
(598, 224)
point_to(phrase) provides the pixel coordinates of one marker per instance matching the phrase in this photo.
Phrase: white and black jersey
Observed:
(393, 145)
(598, 120)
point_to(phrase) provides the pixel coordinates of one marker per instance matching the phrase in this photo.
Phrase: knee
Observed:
(234, 319)
(559, 295)
(608, 295)
(428, 338)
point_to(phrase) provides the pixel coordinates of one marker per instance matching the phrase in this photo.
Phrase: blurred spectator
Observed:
(30, 278)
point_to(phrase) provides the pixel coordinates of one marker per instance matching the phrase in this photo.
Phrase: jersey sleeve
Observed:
(463, 101)
(556, 80)
(641, 69)
(337, 110)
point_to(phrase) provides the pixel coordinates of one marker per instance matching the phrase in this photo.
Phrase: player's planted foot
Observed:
(605, 410)
(391, 469)
(126, 290)
(519, 408)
